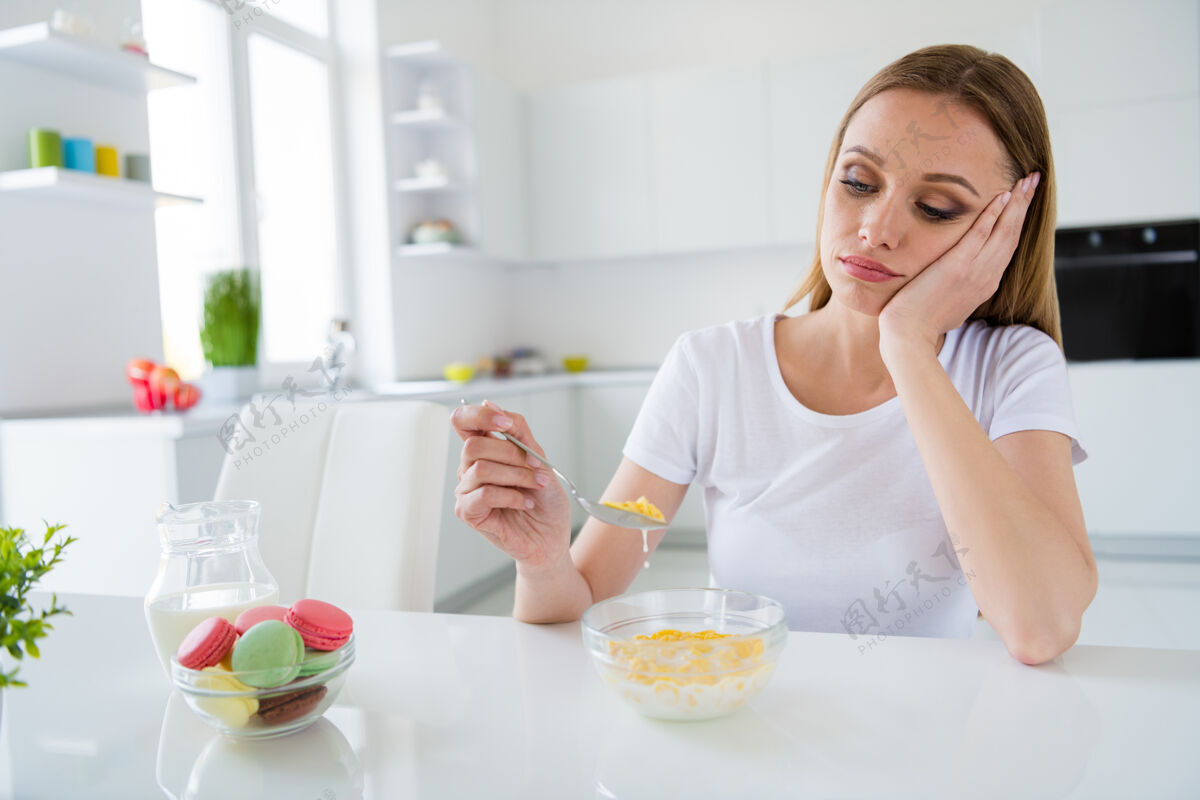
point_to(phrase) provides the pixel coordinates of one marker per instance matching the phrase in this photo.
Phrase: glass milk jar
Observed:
(210, 566)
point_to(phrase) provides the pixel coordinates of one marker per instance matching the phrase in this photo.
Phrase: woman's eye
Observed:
(858, 188)
(855, 186)
(935, 213)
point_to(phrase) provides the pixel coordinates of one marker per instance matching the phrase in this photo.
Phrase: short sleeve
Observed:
(1032, 391)
(664, 438)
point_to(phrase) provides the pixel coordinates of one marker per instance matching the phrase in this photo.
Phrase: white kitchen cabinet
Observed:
(105, 477)
(709, 154)
(1114, 166)
(590, 170)
(806, 101)
(1138, 424)
(500, 144)
(1118, 51)
(605, 416)
(1124, 108)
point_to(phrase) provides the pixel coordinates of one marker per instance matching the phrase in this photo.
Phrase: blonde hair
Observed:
(996, 88)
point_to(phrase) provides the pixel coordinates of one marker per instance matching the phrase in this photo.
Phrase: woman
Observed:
(897, 458)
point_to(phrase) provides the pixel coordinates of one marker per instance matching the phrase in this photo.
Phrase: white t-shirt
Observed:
(834, 516)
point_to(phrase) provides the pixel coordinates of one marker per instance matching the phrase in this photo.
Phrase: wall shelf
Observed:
(426, 185)
(440, 249)
(69, 184)
(41, 46)
(422, 54)
(431, 118)
(442, 112)
(425, 118)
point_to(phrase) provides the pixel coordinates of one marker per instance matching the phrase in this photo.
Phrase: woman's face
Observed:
(913, 174)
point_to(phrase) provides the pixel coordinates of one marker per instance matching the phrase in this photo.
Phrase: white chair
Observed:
(351, 499)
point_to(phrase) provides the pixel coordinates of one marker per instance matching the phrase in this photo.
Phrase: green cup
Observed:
(45, 148)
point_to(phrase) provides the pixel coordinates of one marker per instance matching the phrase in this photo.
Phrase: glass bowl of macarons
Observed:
(270, 672)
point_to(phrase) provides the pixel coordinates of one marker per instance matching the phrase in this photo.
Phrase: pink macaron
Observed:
(252, 616)
(207, 643)
(322, 626)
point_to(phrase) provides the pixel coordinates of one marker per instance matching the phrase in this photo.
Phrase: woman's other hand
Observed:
(515, 503)
(946, 292)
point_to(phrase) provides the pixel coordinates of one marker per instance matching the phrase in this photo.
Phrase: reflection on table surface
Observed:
(194, 763)
(460, 706)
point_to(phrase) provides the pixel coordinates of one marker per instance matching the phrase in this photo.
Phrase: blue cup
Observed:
(79, 154)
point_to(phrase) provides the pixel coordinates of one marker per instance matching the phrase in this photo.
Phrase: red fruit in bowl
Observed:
(186, 396)
(141, 397)
(163, 383)
(137, 370)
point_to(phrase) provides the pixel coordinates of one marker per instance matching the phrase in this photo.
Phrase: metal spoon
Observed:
(613, 516)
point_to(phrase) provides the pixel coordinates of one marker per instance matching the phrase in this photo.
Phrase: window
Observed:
(254, 138)
(192, 141)
(310, 16)
(293, 174)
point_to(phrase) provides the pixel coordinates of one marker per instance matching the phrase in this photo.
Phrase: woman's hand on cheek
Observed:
(946, 292)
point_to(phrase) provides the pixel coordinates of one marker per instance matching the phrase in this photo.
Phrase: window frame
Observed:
(272, 373)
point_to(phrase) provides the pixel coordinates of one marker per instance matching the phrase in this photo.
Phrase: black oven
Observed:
(1129, 291)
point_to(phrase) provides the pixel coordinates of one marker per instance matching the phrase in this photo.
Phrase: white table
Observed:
(449, 706)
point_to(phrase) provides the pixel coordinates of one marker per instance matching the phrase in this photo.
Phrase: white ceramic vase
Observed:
(229, 384)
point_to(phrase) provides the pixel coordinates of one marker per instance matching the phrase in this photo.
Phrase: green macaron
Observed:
(318, 661)
(268, 654)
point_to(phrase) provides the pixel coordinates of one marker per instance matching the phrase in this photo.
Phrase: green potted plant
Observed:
(229, 334)
(21, 625)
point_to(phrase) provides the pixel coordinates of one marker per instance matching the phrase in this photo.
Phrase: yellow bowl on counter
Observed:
(575, 363)
(458, 372)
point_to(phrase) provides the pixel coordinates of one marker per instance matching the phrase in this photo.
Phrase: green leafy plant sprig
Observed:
(232, 302)
(21, 566)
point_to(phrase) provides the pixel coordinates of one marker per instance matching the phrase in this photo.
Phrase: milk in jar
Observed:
(210, 566)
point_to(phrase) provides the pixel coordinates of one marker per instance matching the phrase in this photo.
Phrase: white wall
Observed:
(466, 28)
(629, 312)
(450, 311)
(361, 131)
(541, 44)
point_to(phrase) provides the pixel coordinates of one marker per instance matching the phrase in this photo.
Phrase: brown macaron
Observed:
(280, 708)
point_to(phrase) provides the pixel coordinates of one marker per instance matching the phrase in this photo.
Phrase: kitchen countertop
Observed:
(527, 383)
(204, 418)
(207, 418)
(447, 706)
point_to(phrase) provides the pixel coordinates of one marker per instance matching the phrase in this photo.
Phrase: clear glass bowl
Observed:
(235, 708)
(691, 679)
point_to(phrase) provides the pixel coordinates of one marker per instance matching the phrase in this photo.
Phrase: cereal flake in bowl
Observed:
(686, 654)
